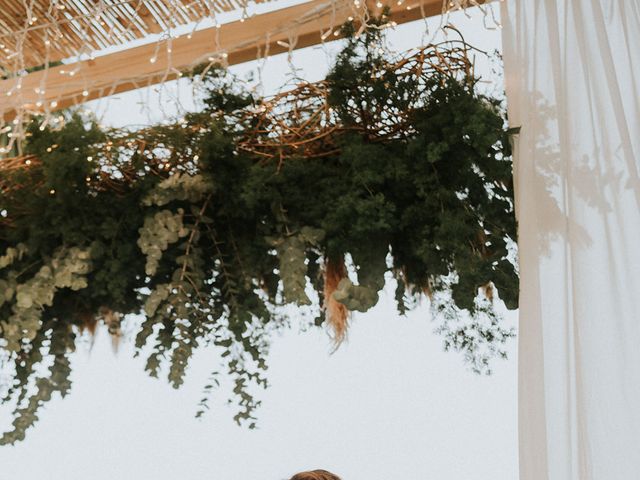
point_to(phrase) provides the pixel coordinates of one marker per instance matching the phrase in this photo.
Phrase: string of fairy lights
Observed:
(86, 28)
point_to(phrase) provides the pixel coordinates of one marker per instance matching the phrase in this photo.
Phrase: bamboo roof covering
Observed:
(35, 32)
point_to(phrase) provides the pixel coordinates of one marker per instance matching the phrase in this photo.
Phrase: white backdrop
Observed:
(573, 84)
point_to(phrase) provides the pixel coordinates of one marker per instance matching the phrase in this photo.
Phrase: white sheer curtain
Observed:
(573, 85)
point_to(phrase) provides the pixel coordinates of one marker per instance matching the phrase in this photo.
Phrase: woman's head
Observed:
(315, 475)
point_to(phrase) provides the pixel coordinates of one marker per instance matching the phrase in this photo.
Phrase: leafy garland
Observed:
(208, 240)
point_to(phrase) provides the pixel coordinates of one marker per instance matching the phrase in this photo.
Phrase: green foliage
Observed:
(60, 340)
(292, 259)
(67, 269)
(479, 337)
(157, 232)
(179, 186)
(11, 255)
(207, 241)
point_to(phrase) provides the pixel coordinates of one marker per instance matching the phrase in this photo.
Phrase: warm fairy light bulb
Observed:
(27, 162)
(54, 104)
(85, 93)
(153, 59)
(379, 4)
(52, 191)
(89, 158)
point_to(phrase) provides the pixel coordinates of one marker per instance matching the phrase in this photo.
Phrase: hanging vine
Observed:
(209, 225)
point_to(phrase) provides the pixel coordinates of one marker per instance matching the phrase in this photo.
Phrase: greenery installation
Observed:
(210, 225)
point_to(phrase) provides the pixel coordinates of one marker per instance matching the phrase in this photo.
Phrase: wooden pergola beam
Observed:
(239, 42)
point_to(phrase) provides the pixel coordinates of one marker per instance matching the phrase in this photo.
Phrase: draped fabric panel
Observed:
(572, 71)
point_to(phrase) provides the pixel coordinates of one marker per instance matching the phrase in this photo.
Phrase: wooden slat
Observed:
(241, 41)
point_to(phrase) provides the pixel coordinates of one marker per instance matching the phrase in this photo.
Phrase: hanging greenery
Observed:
(208, 226)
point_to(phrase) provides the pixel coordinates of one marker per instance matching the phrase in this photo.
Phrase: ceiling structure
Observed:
(48, 31)
(35, 33)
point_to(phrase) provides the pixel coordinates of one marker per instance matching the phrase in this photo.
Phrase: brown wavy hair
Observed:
(315, 475)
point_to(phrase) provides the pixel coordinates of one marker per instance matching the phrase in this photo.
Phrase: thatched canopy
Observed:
(36, 32)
